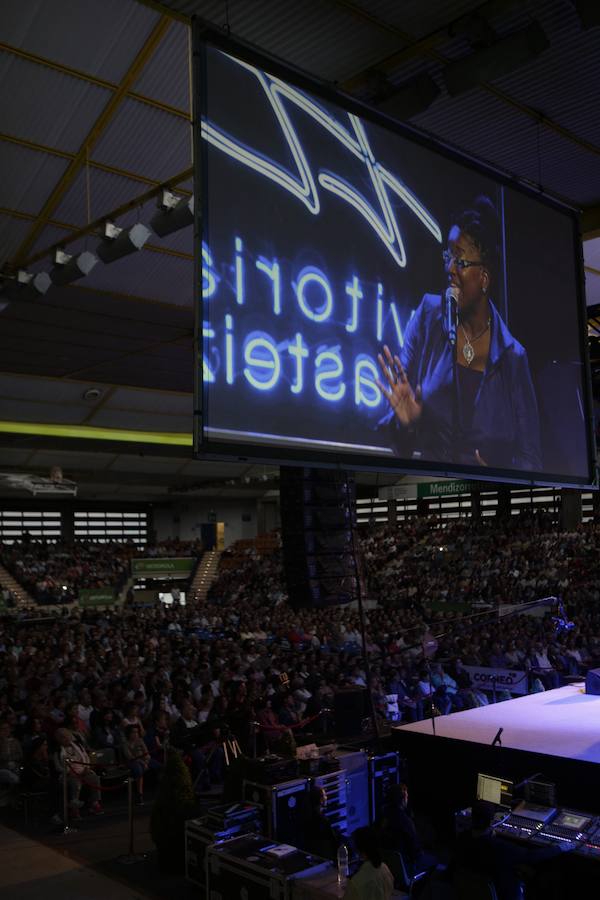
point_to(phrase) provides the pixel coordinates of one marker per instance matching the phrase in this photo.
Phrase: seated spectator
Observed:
(38, 776)
(157, 740)
(73, 758)
(288, 711)
(105, 735)
(397, 831)
(136, 754)
(542, 667)
(11, 756)
(132, 717)
(318, 836)
(373, 881)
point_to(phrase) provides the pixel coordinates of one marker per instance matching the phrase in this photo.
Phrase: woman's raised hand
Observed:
(406, 403)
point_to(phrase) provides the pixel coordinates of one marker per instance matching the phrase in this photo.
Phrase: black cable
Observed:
(361, 614)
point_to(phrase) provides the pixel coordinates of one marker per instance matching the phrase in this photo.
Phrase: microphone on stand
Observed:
(497, 738)
(560, 621)
(451, 314)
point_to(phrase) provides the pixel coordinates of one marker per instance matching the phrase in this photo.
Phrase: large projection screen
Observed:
(330, 238)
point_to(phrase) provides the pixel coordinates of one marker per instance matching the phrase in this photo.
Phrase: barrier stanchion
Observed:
(130, 857)
(67, 829)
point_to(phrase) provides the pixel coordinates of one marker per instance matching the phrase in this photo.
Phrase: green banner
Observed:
(150, 568)
(97, 597)
(443, 488)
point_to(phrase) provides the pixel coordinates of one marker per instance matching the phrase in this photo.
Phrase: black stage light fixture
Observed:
(499, 58)
(25, 285)
(409, 99)
(70, 268)
(589, 12)
(174, 213)
(119, 242)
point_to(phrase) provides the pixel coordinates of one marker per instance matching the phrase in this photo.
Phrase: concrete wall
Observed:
(183, 520)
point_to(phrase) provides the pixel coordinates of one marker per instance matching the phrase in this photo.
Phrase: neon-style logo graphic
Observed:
(303, 185)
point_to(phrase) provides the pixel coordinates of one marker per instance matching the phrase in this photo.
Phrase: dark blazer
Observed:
(505, 424)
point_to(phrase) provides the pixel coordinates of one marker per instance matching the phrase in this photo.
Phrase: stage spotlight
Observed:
(71, 268)
(25, 286)
(173, 214)
(497, 59)
(409, 99)
(119, 242)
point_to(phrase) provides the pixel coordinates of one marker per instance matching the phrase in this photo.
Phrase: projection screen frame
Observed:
(204, 36)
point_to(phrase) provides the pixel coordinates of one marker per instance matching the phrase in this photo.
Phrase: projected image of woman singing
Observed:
(460, 389)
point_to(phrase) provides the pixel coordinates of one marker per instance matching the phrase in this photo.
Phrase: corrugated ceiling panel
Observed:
(159, 376)
(101, 39)
(147, 141)
(158, 464)
(415, 17)
(12, 233)
(27, 177)
(165, 77)
(481, 125)
(574, 53)
(72, 459)
(51, 322)
(320, 38)
(61, 332)
(39, 389)
(50, 235)
(106, 192)
(150, 275)
(568, 169)
(46, 106)
(182, 240)
(114, 418)
(174, 404)
(14, 457)
(57, 414)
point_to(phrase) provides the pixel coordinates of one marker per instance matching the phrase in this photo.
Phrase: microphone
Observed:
(560, 622)
(497, 738)
(451, 314)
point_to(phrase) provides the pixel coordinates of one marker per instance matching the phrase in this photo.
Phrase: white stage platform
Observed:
(564, 722)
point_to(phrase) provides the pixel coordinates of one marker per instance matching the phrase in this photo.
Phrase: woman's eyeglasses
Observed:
(450, 258)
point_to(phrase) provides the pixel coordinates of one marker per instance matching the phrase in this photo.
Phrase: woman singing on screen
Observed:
(490, 416)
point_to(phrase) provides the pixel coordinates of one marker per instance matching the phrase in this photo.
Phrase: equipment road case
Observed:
(250, 868)
(201, 833)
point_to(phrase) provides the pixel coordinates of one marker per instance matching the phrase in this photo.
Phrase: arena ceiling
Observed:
(96, 118)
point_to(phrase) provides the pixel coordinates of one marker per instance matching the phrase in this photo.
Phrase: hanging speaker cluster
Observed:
(320, 556)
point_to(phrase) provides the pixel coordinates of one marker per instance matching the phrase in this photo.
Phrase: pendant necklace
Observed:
(468, 350)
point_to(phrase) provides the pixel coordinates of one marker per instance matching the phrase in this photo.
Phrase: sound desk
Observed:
(536, 825)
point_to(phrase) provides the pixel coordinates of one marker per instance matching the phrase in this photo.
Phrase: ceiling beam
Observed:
(92, 79)
(97, 224)
(63, 154)
(76, 232)
(93, 137)
(166, 11)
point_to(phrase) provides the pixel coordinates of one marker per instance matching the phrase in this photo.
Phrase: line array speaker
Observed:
(321, 559)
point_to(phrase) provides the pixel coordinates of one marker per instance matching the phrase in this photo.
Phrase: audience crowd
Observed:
(245, 664)
(56, 573)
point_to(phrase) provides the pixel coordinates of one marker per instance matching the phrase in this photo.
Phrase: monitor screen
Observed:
(495, 790)
(368, 298)
(572, 820)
